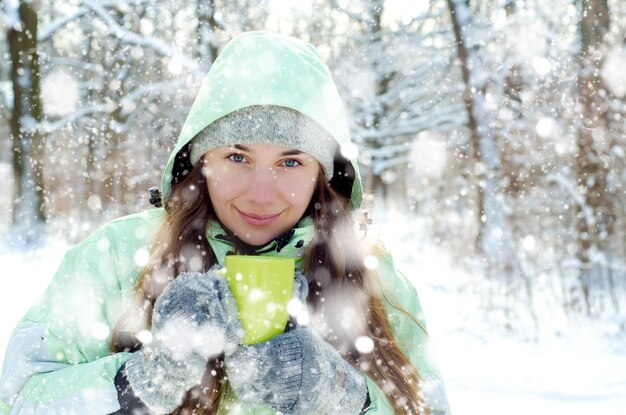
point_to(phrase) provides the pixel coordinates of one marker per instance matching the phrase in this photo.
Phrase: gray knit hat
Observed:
(268, 124)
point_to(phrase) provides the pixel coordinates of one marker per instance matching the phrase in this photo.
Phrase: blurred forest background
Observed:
(499, 125)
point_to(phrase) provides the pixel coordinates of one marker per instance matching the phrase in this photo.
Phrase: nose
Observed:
(261, 188)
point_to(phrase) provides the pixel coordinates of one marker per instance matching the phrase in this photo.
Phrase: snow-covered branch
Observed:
(48, 31)
(10, 18)
(129, 37)
(155, 88)
(78, 64)
(49, 127)
(353, 16)
(454, 117)
(382, 165)
(571, 189)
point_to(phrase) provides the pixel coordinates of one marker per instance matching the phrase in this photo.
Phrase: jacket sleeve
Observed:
(400, 298)
(58, 359)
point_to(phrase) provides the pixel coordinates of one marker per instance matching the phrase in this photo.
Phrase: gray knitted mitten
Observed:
(194, 319)
(296, 373)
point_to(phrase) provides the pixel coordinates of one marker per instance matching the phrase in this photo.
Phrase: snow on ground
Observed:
(23, 277)
(486, 372)
(6, 196)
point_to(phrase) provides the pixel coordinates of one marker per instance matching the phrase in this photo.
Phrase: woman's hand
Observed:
(296, 373)
(194, 319)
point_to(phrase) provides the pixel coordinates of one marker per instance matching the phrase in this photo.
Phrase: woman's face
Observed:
(259, 191)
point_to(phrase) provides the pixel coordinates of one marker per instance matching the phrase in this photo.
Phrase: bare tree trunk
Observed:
(28, 204)
(494, 235)
(510, 6)
(207, 25)
(495, 238)
(374, 182)
(472, 123)
(595, 217)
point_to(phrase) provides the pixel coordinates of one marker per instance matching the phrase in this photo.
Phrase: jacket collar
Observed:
(291, 244)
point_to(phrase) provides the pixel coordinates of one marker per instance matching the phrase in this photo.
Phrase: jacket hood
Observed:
(263, 68)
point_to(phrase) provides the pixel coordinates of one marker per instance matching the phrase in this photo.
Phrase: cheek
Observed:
(299, 192)
(221, 185)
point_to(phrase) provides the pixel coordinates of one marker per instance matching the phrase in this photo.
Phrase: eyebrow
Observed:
(284, 153)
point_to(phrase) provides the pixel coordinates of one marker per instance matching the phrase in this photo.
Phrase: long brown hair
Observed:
(334, 267)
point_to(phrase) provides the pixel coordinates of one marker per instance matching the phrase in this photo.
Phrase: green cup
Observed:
(262, 287)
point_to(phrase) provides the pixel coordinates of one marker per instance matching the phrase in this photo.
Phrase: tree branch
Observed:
(129, 37)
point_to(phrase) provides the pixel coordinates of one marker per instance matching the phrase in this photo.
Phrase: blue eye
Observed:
(237, 158)
(292, 163)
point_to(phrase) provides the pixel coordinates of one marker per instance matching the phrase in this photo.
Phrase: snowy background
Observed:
(491, 133)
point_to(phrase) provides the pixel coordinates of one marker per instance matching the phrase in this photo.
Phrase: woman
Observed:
(258, 169)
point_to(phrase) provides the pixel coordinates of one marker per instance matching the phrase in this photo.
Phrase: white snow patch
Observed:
(103, 245)
(428, 155)
(25, 276)
(60, 93)
(364, 344)
(370, 262)
(297, 309)
(141, 257)
(613, 73)
(146, 27)
(145, 337)
(541, 65)
(545, 127)
(528, 243)
(175, 65)
(182, 337)
(100, 331)
(94, 203)
(350, 151)
(255, 295)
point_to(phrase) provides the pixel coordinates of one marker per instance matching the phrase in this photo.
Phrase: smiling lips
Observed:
(258, 220)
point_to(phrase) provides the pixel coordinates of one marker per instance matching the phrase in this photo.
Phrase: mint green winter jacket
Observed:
(58, 359)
